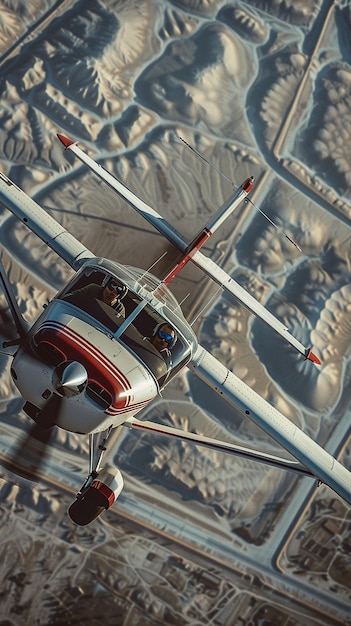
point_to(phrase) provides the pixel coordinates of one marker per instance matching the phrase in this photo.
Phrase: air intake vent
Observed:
(49, 353)
(99, 395)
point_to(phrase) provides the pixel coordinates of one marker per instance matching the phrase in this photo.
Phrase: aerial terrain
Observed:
(256, 88)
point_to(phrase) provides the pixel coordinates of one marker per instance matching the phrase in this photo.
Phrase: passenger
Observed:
(163, 339)
(112, 293)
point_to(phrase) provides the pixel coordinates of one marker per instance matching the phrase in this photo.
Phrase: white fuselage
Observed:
(119, 385)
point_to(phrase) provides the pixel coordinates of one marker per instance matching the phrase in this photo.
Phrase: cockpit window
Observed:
(157, 343)
(131, 320)
(101, 287)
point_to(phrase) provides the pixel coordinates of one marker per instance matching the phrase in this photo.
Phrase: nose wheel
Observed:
(101, 488)
(87, 507)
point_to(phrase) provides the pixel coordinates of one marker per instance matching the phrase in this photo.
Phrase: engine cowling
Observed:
(98, 497)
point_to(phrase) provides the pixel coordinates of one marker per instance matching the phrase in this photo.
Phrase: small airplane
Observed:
(108, 342)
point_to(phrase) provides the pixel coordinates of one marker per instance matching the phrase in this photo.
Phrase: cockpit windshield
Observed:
(147, 330)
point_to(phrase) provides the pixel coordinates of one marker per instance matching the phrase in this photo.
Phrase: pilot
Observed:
(111, 293)
(163, 339)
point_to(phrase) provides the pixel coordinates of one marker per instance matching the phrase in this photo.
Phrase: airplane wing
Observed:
(191, 251)
(310, 454)
(42, 224)
(311, 459)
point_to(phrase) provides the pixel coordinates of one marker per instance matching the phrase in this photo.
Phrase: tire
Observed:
(88, 507)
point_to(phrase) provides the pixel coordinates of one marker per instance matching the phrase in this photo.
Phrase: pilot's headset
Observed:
(157, 328)
(121, 290)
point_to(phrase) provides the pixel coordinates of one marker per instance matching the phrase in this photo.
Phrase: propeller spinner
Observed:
(70, 378)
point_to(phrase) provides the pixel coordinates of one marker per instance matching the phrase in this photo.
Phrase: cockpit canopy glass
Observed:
(146, 328)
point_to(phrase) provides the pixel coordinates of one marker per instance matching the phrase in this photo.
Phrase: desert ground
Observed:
(257, 89)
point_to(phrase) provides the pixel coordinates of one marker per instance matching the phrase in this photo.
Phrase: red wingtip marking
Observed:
(66, 142)
(248, 184)
(312, 357)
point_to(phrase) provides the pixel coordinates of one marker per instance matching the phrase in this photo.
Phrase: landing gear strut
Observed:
(101, 488)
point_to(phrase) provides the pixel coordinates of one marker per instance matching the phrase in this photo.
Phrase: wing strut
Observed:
(221, 446)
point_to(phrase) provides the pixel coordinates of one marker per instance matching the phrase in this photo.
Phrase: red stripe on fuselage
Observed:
(98, 366)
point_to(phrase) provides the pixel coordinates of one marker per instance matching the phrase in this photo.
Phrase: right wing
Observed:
(311, 459)
(312, 456)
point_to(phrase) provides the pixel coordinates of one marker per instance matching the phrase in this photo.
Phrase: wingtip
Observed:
(310, 356)
(65, 140)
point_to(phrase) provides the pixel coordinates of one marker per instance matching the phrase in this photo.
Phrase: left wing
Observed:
(42, 224)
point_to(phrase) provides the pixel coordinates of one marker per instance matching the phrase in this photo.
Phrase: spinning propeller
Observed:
(28, 459)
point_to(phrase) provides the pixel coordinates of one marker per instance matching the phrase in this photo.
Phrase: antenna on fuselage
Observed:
(152, 266)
